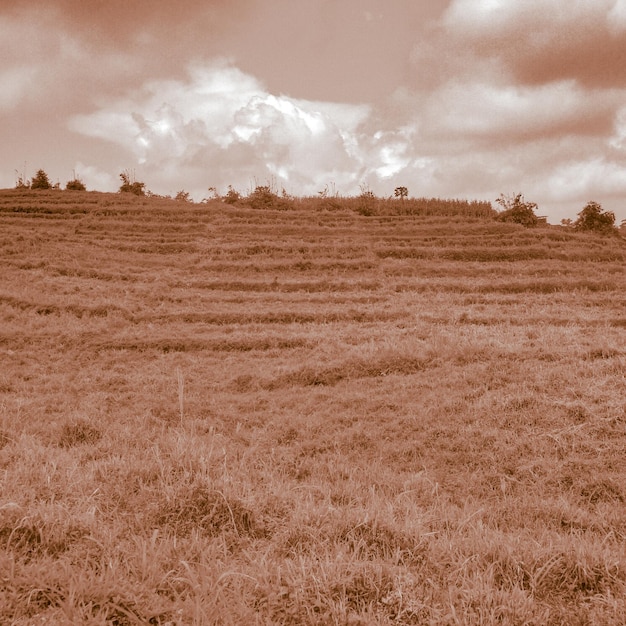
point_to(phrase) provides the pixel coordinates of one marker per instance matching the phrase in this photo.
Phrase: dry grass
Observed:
(216, 415)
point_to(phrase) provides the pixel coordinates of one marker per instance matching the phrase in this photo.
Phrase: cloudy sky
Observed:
(450, 98)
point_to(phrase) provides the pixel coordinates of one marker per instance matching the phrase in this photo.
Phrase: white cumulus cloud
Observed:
(94, 178)
(221, 127)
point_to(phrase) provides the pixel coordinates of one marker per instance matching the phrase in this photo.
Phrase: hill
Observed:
(215, 414)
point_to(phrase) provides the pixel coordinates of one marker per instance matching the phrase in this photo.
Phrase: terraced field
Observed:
(219, 415)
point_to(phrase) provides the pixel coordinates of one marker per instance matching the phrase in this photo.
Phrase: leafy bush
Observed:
(517, 210)
(129, 185)
(593, 218)
(183, 196)
(75, 185)
(264, 198)
(40, 181)
(232, 196)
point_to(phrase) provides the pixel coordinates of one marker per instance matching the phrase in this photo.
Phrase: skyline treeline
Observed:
(514, 208)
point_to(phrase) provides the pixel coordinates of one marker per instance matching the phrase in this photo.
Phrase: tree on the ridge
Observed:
(593, 218)
(401, 192)
(40, 181)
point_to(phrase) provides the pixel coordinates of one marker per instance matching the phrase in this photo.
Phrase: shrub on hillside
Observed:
(367, 201)
(232, 196)
(264, 198)
(129, 185)
(517, 210)
(183, 196)
(75, 185)
(40, 181)
(22, 182)
(593, 218)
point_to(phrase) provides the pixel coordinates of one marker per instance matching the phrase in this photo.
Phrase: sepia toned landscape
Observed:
(341, 411)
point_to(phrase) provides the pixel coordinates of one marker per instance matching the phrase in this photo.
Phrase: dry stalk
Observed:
(181, 394)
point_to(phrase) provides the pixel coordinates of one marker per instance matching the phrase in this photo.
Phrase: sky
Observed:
(449, 98)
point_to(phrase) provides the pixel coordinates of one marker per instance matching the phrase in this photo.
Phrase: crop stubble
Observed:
(222, 415)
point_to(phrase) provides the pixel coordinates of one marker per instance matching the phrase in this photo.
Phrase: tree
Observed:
(401, 192)
(593, 218)
(517, 210)
(40, 181)
(130, 185)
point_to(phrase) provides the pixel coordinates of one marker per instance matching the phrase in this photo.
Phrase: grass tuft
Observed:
(77, 432)
(207, 511)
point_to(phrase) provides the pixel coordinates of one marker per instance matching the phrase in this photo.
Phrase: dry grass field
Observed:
(219, 415)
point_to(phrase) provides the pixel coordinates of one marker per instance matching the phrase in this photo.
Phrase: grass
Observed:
(221, 415)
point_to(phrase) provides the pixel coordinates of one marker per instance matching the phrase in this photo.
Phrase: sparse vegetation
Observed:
(213, 195)
(366, 201)
(215, 415)
(21, 181)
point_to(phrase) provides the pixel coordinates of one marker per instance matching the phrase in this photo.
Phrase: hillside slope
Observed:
(214, 414)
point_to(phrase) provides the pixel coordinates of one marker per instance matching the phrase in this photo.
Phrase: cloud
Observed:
(95, 178)
(518, 113)
(466, 98)
(221, 126)
(47, 68)
(596, 177)
(509, 96)
(324, 49)
(616, 18)
(127, 24)
(618, 139)
(539, 41)
(15, 84)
